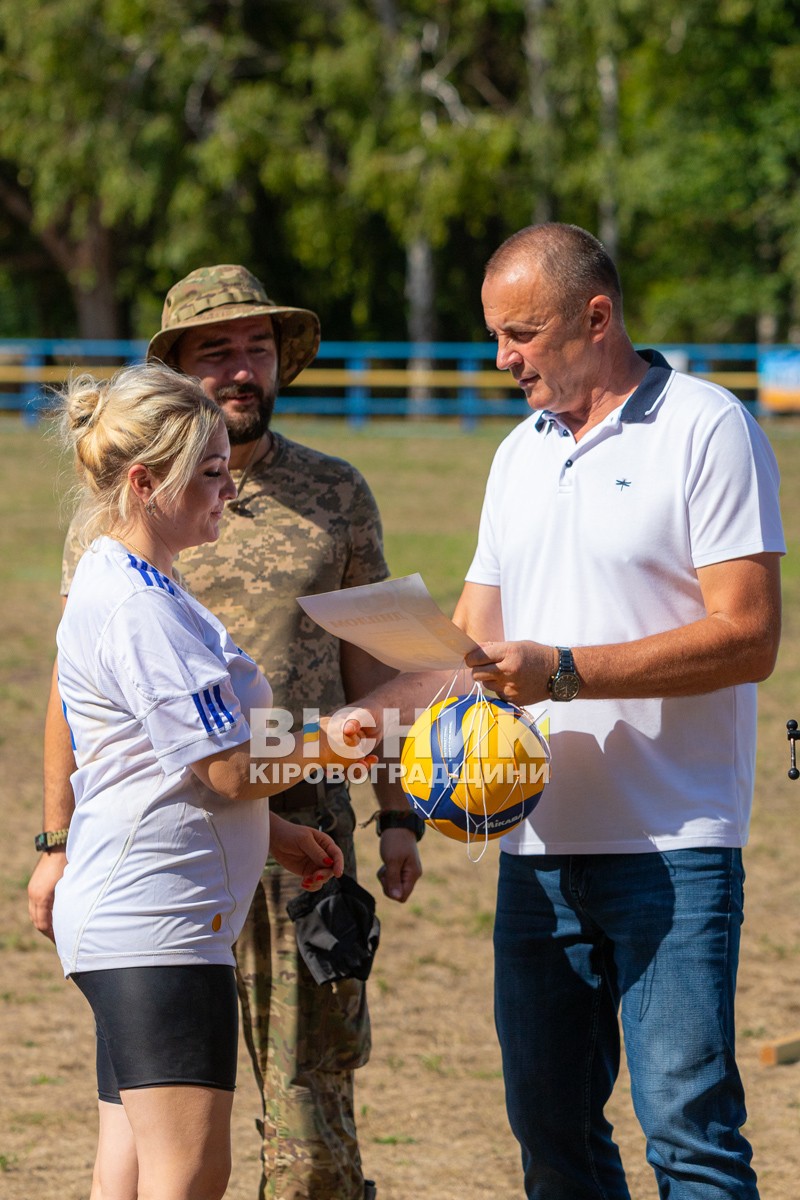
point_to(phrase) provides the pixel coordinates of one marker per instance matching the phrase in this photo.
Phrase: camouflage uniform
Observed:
(306, 523)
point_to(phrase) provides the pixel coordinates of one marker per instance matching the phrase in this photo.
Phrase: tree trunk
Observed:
(420, 295)
(608, 84)
(420, 290)
(538, 59)
(91, 280)
(86, 263)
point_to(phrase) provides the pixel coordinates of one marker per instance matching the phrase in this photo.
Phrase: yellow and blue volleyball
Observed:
(474, 767)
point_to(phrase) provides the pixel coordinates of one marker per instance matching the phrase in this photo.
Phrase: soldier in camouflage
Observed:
(302, 522)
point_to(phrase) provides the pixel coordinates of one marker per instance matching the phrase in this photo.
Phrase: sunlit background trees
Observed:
(366, 157)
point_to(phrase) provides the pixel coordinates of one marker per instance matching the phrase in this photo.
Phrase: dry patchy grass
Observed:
(431, 1114)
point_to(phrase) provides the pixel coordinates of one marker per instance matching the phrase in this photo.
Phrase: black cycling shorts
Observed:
(160, 1026)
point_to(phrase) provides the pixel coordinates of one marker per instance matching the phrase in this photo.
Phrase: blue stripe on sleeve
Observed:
(220, 724)
(221, 705)
(198, 705)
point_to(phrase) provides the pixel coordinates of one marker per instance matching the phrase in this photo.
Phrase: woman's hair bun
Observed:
(85, 401)
(145, 414)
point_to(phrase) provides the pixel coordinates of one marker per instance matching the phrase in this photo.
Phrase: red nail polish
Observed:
(327, 862)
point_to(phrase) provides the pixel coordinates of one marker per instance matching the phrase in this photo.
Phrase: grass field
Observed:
(432, 1124)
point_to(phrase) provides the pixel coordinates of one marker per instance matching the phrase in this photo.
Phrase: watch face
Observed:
(566, 686)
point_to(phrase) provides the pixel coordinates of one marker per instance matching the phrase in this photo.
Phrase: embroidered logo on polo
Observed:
(623, 483)
(150, 575)
(213, 713)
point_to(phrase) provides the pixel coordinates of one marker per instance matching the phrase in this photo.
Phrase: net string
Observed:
(482, 712)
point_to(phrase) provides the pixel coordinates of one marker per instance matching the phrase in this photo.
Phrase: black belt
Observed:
(301, 797)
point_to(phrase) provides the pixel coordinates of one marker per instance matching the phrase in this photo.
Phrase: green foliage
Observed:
(319, 142)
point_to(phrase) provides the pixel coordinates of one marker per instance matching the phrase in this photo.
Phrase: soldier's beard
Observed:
(246, 426)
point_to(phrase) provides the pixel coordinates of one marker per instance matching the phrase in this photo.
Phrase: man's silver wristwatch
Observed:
(565, 684)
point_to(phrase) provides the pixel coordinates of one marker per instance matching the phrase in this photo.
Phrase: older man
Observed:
(626, 581)
(302, 522)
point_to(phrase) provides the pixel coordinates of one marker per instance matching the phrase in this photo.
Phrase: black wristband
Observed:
(400, 819)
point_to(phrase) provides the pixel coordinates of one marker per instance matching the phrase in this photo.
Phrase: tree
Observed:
(707, 168)
(367, 158)
(104, 106)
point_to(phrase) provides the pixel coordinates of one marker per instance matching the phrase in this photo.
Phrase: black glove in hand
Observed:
(337, 930)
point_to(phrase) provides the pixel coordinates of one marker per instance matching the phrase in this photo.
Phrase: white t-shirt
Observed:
(598, 542)
(160, 870)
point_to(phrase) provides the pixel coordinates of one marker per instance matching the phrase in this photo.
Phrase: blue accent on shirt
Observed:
(212, 710)
(69, 727)
(202, 712)
(150, 575)
(221, 705)
(640, 402)
(217, 719)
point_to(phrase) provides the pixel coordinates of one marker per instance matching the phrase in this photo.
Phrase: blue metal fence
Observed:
(359, 380)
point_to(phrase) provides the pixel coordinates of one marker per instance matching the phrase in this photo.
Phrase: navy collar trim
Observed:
(641, 402)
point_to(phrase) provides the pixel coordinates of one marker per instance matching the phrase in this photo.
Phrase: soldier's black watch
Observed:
(565, 684)
(400, 819)
(51, 839)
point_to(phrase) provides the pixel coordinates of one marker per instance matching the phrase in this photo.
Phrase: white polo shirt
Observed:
(160, 869)
(598, 542)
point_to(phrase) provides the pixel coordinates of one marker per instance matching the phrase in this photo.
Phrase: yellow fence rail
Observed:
(359, 380)
(317, 377)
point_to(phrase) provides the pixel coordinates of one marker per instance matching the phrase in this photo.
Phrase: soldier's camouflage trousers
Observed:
(305, 1039)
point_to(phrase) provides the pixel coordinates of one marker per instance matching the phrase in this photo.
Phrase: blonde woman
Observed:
(169, 835)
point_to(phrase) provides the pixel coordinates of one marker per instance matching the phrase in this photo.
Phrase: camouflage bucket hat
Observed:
(224, 293)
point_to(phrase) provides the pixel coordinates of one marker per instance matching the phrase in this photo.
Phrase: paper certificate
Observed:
(396, 621)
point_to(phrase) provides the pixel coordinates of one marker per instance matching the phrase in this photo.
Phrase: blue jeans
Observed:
(579, 938)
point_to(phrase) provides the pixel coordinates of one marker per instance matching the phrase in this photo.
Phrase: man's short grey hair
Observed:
(574, 263)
